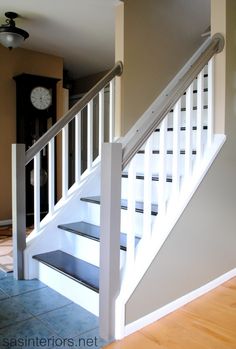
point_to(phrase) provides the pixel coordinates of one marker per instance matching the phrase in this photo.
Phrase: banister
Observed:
(58, 126)
(131, 147)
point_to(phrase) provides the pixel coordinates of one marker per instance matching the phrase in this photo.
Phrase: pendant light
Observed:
(10, 35)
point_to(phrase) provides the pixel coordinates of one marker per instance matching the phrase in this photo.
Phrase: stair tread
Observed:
(155, 177)
(75, 268)
(138, 204)
(92, 231)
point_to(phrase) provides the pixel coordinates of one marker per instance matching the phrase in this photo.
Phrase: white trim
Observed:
(178, 303)
(5, 222)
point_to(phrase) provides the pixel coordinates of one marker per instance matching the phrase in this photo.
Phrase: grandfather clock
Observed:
(35, 114)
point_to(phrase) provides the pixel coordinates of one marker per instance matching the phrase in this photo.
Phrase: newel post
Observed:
(18, 209)
(109, 284)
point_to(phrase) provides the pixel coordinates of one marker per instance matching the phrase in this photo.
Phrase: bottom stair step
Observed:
(76, 269)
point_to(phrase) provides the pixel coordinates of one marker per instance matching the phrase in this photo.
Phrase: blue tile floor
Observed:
(34, 316)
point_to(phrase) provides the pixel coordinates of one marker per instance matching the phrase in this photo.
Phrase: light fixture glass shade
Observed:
(11, 40)
(10, 35)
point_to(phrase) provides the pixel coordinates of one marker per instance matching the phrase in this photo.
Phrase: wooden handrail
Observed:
(58, 126)
(215, 45)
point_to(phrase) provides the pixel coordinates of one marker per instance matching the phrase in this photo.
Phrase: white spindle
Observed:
(162, 168)
(51, 176)
(176, 148)
(37, 191)
(65, 162)
(77, 147)
(90, 135)
(189, 131)
(112, 111)
(147, 196)
(131, 215)
(101, 120)
(210, 120)
(199, 141)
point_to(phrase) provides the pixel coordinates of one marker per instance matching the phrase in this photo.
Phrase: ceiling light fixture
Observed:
(10, 35)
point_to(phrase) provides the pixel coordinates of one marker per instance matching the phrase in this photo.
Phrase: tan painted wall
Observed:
(12, 63)
(159, 37)
(201, 246)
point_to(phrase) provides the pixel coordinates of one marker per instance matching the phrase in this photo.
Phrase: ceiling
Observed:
(80, 31)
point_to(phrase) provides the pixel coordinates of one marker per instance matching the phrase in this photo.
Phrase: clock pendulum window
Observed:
(35, 113)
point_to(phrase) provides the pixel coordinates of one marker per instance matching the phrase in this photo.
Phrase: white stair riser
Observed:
(205, 98)
(84, 248)
(93, 216)
(155, 163)
(182, 136)
(139, 189)
(182, 139)
(81, 295)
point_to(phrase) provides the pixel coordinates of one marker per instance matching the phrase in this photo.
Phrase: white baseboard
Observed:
(178, 303)
(5, 222)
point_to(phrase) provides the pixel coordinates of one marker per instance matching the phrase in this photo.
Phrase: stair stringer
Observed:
(148, 249)
(50, 237)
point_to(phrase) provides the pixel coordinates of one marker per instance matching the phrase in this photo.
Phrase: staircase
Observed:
(79, 261)
(164, 157)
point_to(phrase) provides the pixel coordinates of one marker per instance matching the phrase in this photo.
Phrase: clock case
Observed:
(31, 124)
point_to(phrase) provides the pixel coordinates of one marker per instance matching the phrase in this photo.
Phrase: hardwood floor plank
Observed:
(209, 322)
(135, 341)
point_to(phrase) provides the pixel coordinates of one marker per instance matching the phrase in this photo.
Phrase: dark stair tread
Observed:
(75, 268)
(92, 231)
(168, 152)
(182, 128)
(155, 177)
(138, 204)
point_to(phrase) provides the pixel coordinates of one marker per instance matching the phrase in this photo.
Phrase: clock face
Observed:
(41, 97)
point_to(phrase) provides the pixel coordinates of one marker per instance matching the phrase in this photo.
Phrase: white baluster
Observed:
(37, 191)
(65, 162)
(176, 149)
(199, 141)
(189, 131)
(147, 197)
(51, 176)
(90, 135)
(162, 169)
(210, 119)
(101, 120)
(77, 147)
(131, 216)
(112, 111)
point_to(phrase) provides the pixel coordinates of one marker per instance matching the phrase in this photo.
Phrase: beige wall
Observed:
(201, 246)
(159, 37)
(13, 63)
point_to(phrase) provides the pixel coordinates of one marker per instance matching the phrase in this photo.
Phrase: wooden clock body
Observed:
(35, 114)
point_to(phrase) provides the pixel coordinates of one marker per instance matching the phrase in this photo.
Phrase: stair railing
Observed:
(59, 134)
(151, 133)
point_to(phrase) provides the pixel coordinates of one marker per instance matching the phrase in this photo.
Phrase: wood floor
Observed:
(206, 323)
